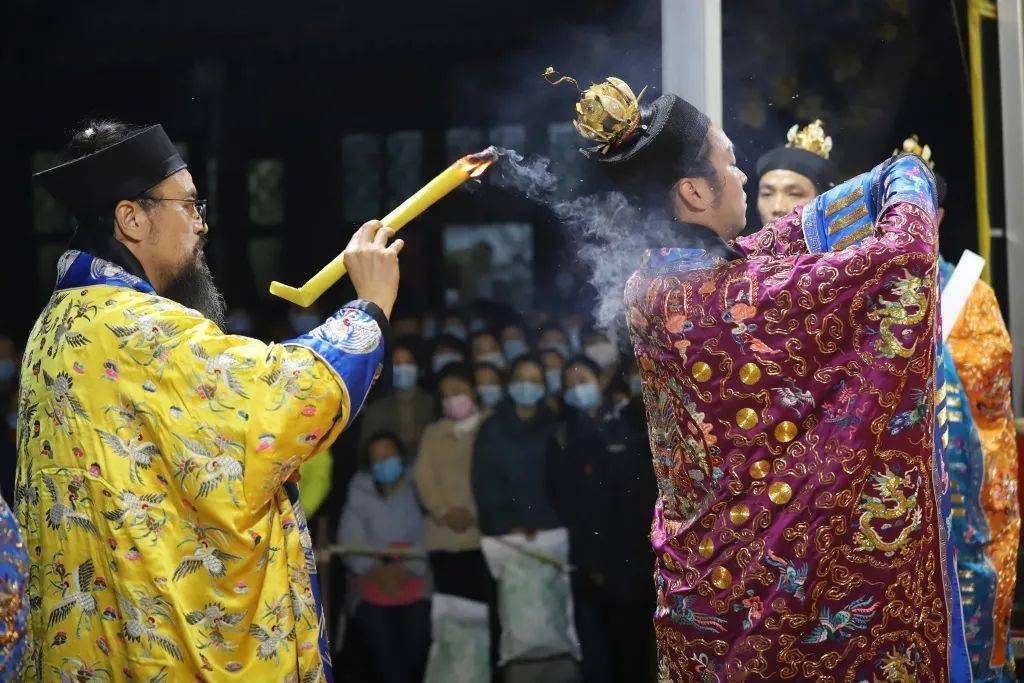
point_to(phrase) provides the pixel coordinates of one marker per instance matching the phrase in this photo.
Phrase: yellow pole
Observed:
(976, 9)
(424, 198)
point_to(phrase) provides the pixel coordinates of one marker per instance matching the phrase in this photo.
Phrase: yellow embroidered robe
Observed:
(153, 450)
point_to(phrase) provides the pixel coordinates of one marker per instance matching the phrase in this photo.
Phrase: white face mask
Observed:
(494, 358)
(603, 353)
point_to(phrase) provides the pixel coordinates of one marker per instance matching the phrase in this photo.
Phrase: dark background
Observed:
(239, 82)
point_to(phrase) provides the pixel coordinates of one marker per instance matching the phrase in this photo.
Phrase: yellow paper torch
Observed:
(470, 166)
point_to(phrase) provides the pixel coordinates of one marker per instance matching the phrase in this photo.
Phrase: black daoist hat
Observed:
(806, 152)
(95, 182)
(643, 150)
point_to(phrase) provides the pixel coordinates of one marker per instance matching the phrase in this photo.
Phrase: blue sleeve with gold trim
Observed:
(353, 342)
(846, 214)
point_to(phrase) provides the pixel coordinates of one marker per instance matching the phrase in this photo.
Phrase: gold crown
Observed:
(913, 145)
(811, 138)
(607, 112)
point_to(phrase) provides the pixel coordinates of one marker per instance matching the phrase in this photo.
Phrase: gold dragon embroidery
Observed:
(910, 291)
(890, 504)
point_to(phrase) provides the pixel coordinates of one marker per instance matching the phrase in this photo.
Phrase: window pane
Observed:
(266, 192)
(361, 162)
(508, 137)
(564, 148)
(182, 148)
(265, 261)
(490, 261)
(48, 216)
(405, 165)
(462, 141)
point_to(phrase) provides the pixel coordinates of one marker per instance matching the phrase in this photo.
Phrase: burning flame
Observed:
(475, 165)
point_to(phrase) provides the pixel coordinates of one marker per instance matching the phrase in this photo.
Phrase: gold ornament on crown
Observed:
(913, 145)
(607, 113)
(811, 138)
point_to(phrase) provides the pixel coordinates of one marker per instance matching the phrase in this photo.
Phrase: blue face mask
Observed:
(404, 376)
(583, 396)
(387, 471)
(554, 378)
(526, 393)
(514, 348)
(490, 394)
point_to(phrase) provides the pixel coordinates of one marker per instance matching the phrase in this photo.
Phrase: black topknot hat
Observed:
(96, 182)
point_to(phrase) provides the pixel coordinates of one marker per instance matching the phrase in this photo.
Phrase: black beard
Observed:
(193, 287)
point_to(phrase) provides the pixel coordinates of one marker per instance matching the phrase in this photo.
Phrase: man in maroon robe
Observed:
(791, 388)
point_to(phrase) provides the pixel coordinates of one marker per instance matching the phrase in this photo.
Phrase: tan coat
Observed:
(441, 473)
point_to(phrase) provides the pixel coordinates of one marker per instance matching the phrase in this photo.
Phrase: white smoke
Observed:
(608, 233)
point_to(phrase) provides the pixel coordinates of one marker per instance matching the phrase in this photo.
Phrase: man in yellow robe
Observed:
(155, 451)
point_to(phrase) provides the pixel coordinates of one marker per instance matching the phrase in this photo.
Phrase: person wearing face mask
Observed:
(508, 482)
(513, 342)
(553, 362)
(601, 484)
(598, 348)
(553, 339)
(454, 326)
(408, 409)
(574, 325)
(508, 458)
(381, 530)
(486, 349)
(447, 350)
(490, 385)
(442, 478)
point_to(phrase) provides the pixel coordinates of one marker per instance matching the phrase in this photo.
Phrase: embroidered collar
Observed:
(707, 251)
(80, 269)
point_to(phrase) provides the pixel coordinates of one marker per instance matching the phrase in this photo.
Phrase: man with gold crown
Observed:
(795, 173)
(157, 454)
(796, 536)
(982, 460)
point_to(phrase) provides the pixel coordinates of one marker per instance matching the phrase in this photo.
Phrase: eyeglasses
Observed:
(198, 204)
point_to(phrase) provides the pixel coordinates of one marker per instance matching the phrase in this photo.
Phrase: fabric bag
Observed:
(534, 598)
(461, 647)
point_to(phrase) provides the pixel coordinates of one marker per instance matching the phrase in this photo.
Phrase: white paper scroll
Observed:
(959, 288)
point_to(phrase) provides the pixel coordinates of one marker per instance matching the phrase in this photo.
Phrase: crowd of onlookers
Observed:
(497, 425)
